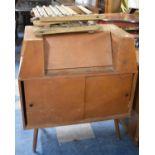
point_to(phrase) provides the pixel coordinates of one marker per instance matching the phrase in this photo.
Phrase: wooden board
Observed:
(73, 18)
(67, 29)
(56, 100)
(81, 51)
(65, 100)
(107, 95)
(106, 18)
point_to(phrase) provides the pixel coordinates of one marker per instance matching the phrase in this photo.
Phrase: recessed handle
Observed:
(126, 94)
(31, 105)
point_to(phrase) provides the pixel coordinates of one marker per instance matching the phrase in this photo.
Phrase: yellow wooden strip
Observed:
(68, 9)
(58, 30)
(36, 13)
(73, 18)
(76, 9)
(44, 12)
(42, 24)
(48, 11)
(39, 10)
(73, 12)
(51, 9)
(84, 9)
(62, 10)
(55, 10)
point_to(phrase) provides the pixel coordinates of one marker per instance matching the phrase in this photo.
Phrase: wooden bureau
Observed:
(76, 77)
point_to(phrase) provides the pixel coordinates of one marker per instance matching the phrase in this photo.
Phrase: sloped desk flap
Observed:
(77, 50)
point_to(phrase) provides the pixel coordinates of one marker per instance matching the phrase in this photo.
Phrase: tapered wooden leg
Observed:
(35, 136)
(117, 128)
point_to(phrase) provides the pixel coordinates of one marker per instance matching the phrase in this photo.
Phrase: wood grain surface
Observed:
(75, 78)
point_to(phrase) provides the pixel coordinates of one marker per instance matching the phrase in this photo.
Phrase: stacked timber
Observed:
(64, 19)
(59, 10)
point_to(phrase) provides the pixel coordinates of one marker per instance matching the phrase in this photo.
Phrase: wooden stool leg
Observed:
(117, 128)
(35, 136)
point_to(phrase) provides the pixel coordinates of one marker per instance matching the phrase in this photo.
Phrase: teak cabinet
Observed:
(77, 77)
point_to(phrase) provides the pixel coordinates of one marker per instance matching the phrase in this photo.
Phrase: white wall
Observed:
(86, 2)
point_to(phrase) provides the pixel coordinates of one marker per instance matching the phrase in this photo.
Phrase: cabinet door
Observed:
(54, 101)
(107, 96)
